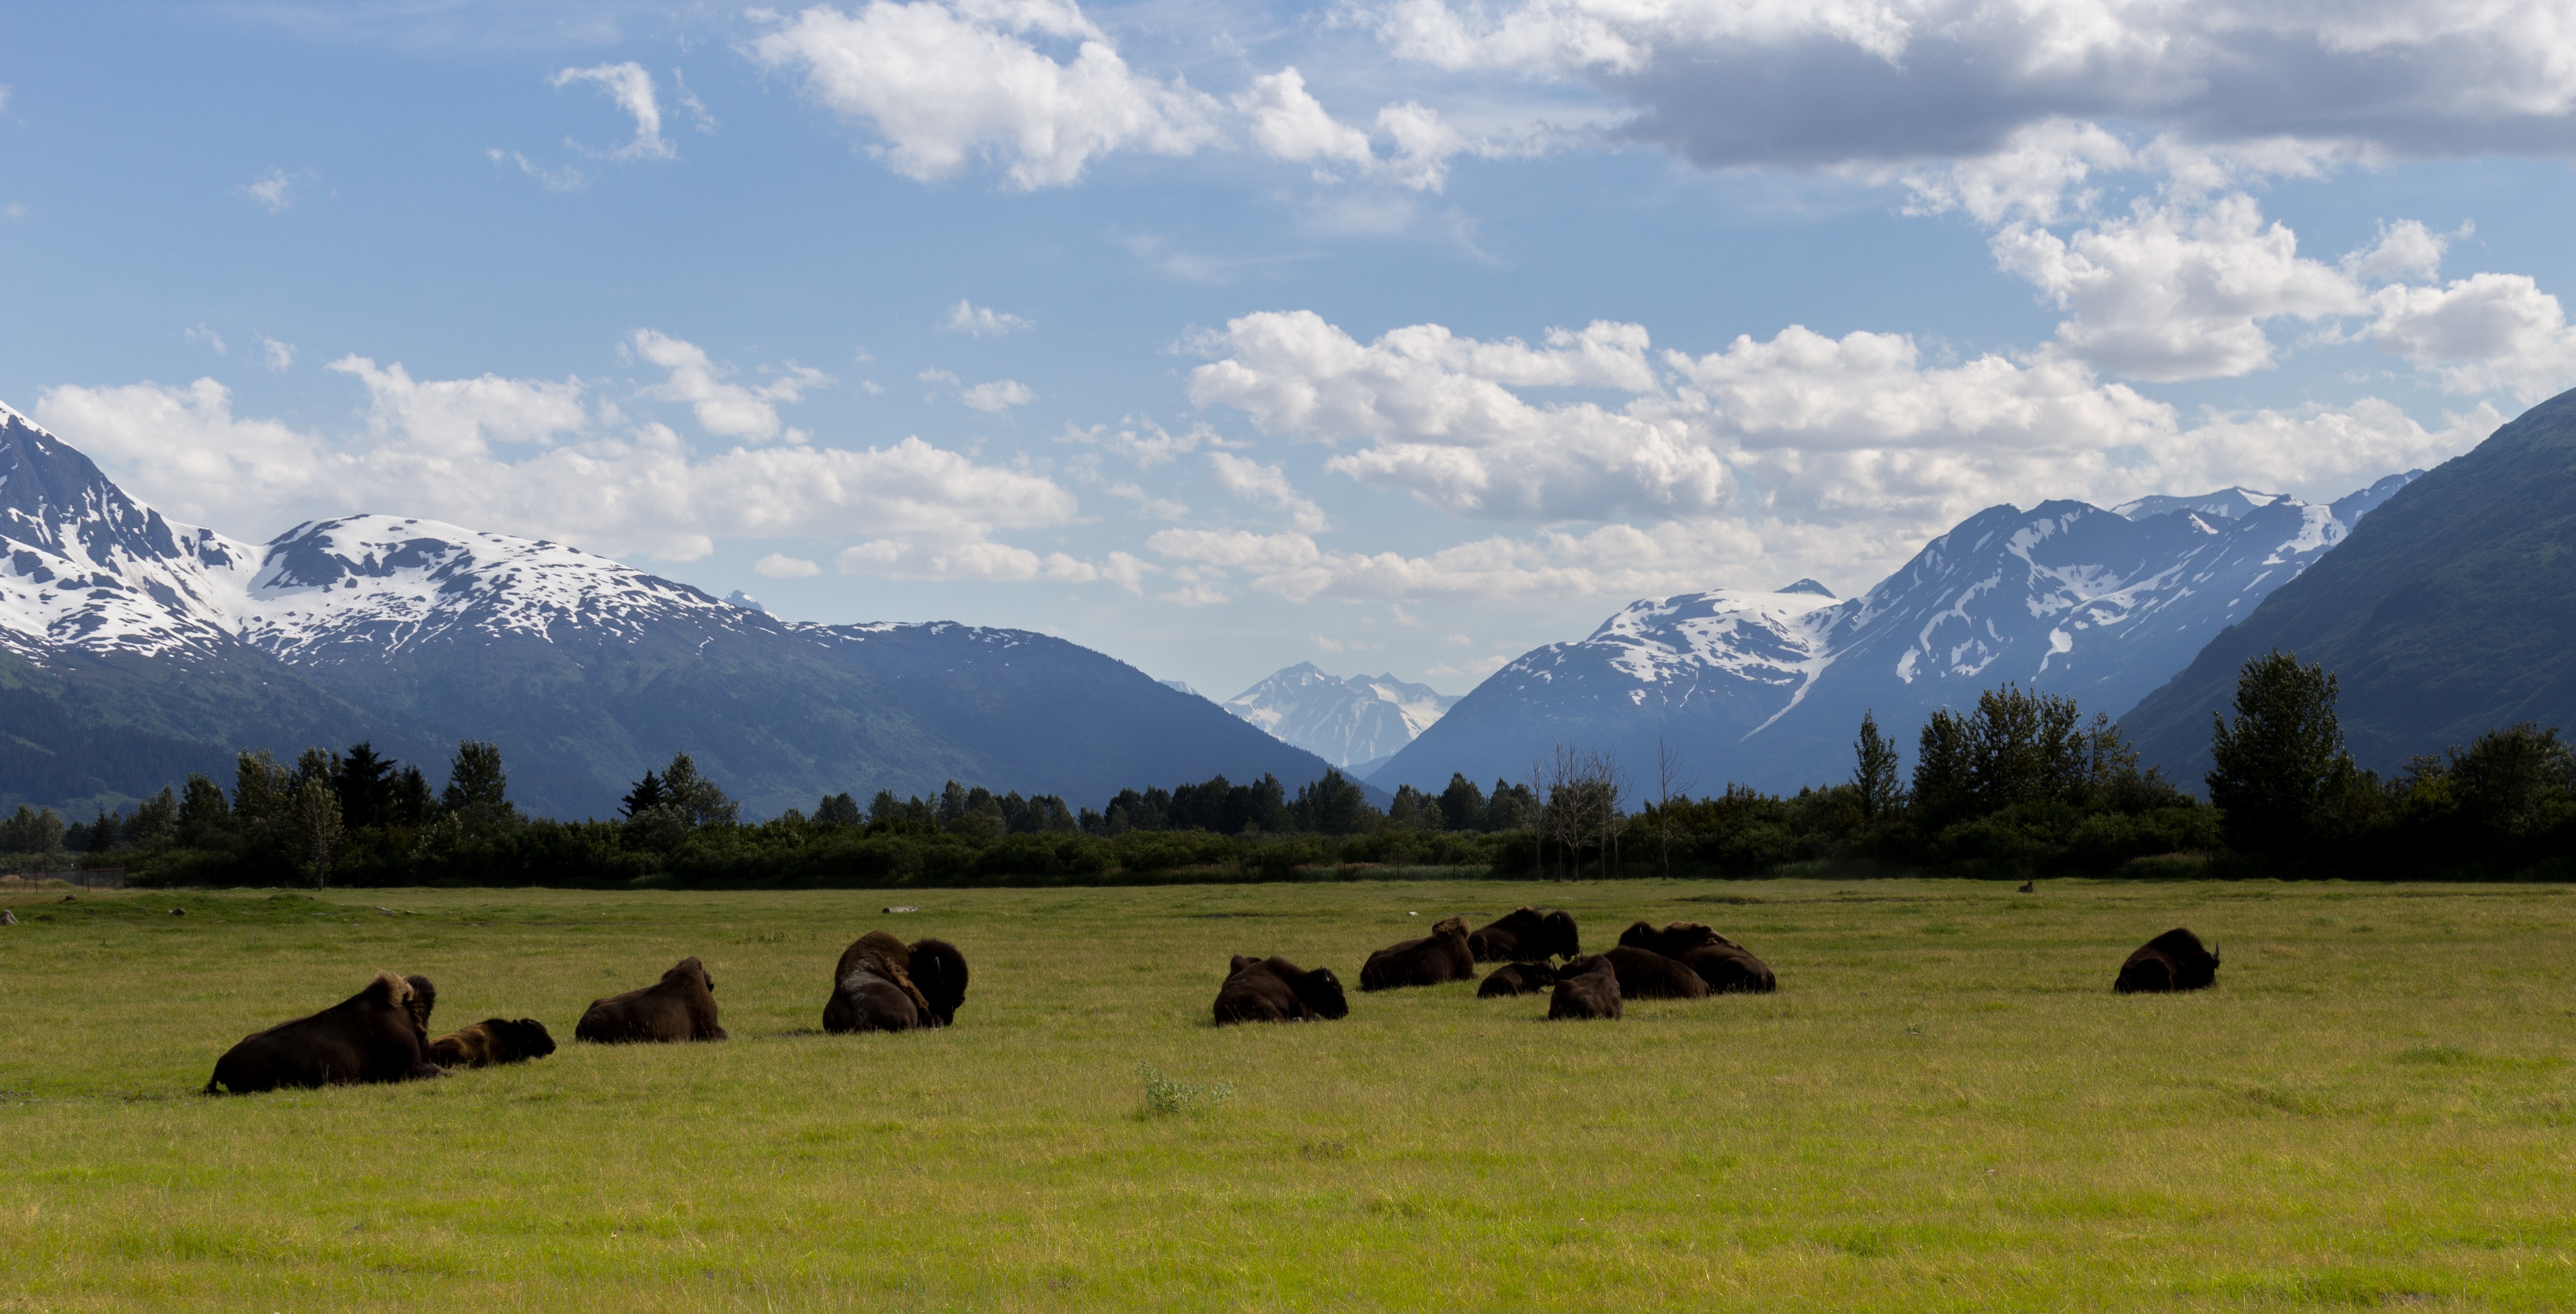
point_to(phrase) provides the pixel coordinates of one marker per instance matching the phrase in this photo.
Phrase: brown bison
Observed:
(1674, 940)
(1727, 967)
(681, 1006)
(1440, 956)
(1516, 979)
(492, 1042)
(1526, 935)
(1645, 974)
(2172, 961)
(1276, 990)
(380, 1033)
(883, 984)
(1587, 988)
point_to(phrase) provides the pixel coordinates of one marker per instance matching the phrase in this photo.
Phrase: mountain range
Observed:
(2446, 614)
(1769, 688)
(1354, 722)
(134, 650)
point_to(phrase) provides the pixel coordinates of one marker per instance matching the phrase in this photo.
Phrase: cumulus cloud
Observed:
(723, 408)
(277, 356)
(941, 84)
(1800, 452)
(1286, 122)
(274, 189)
(632, 88)
(997, 396)
(526, 457)
(981, 321)
(1290, 124)
(2484, 333)
(1885, 80)
(779, 565)
(2406, 250)
(1256, 482)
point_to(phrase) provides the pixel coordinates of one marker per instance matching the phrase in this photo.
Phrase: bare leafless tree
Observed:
(1672, 777)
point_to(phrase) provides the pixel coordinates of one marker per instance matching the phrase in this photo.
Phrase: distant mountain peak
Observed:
(1806, 586)
(1347, 721)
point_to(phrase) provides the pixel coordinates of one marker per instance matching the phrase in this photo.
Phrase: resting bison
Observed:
(681, 1006)
(1645, 974)
(1727, 967)
(491, 1042)
(1526, 935)
(1676, 939)
(1440, 956)
(883, 984)
(1587, 988)
(378, 1034)
(1516, 979)
(2171, 961)
(1276, 990)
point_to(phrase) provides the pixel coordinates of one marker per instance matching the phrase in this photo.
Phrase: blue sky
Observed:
(1396, 336)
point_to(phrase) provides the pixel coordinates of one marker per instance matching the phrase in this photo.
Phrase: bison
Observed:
(492, 1042)
(1276, 990)
(681, 1006)
(2172, 961)
(1440, 956)
(1674, 940)
(1526, 935)
(1645, 974)
(1587, 988)
(1516, 979)
(378, 1034)
(1727, 967)
(883, 984)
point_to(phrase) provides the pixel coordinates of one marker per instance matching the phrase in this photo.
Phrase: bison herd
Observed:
(381, 1033)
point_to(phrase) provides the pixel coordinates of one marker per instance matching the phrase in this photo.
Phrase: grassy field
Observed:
(1944, 1108)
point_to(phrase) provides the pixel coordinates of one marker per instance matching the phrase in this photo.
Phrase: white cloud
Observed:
(723, 408)
(930, 557)
(942, 84)
(1254, 481)
(997, 396)
(2406, 250)
(519, 456)
(565, 179)
(2037, 175)
(779, 565)
(982, 321)
(1160, 508)
(1290, 124)
(1800, 454)
(632, 88)
(276, 355)
(212, 340)
(1844, 81)
(2483, 333)
(689, 101)
(1144, 442)
(274, 189)
(2177, 293)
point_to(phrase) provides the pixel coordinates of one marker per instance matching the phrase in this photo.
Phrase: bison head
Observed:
(939, 973)
(1321, 991)
(525, 1038)
(689, 971)
(1556, 935)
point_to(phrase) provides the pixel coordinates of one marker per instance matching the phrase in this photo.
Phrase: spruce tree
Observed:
(476, 785)
(1875, 771)
(644, 797)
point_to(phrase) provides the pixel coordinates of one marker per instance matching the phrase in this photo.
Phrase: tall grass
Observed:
(1944, 1108)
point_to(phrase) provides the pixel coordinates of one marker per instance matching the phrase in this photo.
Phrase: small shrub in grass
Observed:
(1164, 1096)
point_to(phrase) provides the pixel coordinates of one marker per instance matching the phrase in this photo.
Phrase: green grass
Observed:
(1944, 1108)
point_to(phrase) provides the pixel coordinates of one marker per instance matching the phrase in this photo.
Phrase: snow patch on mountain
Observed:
(1347, 721)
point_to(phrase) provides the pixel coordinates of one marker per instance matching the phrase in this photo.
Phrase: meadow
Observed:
(1944, 1108)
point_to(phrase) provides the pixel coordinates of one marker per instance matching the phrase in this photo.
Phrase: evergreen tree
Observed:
(835, 809)
(476, 785)
(101, 834)
(411, 802)
(1332, 806)
(698, 798)
(1875, 771)
(1462, 805)
(646, 796)
(2283, 759)
(205, 820)
(1944, 786)
(156, 820)
(365, 784)
(952, 804)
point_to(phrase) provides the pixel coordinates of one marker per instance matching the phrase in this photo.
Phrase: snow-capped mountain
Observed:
(1355, 722)
(134, 650)
(1768, 688)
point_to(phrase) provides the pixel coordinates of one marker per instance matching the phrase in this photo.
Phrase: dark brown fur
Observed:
(492, 1042)
(1440, 956)
(374, 1035)
(1516, 979)
(1587, 988)
(1730, 970)
(1675, 939)
(2172, 961)
(883, 984)
(1526, 935)
(1645, 974)
(1276, 990)
(681, 1006)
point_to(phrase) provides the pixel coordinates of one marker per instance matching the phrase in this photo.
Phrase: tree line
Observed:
(2020, 783)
